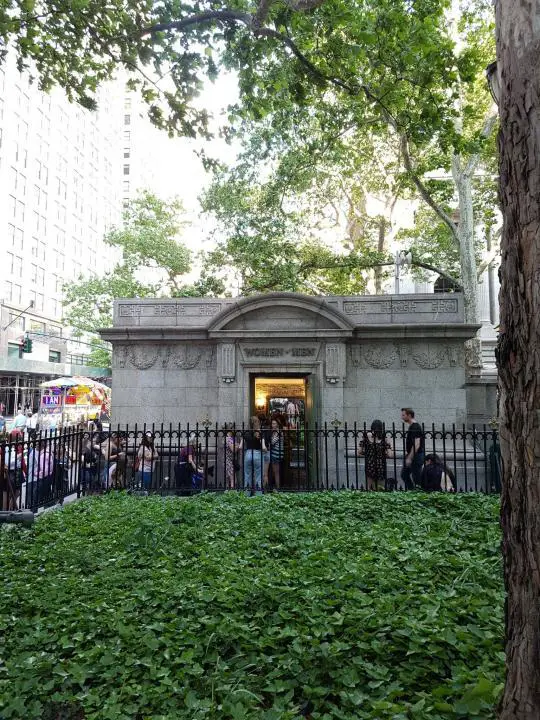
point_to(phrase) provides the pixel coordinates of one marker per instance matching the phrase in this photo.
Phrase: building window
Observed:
(126, 186)
(15, 293)
(55, 356)
(15, 264)
(33, 273)
(37, 326)
(126, 169)
(14, 350)
(127, 136)
(16, 321)
(127, 153)
(127, 119)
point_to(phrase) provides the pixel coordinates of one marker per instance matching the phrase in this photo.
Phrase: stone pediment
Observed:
(280, 313)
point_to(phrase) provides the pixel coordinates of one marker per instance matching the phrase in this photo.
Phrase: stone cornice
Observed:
(458, 331)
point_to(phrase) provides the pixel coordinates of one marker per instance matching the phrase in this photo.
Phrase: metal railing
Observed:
(46, 468)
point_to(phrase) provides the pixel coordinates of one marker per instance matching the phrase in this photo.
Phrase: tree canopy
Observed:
(391, 60)
(151, 262)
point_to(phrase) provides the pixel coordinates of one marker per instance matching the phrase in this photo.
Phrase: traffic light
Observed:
(27, 345)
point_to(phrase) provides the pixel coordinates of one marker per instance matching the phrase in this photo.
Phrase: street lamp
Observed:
(492, 77)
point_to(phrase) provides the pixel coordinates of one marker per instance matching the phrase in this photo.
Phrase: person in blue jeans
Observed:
(411, 472)
(254, 447)
(147, 457)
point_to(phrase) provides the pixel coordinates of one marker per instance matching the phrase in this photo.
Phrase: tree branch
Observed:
(209, 16)
(424, 192)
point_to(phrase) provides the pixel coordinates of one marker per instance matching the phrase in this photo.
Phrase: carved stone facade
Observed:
(361, 357)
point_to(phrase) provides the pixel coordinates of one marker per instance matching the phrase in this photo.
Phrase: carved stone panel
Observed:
(429, 356)
(399, 355)
(403, 353)
(227, 362)
(185, 357)
(380, 356)
(355, 355)
(120, 356)
(143, 357)
(335, 362)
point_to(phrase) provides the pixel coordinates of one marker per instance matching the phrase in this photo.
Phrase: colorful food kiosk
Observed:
(72, 400)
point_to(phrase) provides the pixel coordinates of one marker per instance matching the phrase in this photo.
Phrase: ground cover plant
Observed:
(342, 605)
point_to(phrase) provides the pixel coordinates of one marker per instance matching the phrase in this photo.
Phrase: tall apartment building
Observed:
(142, 142)
(60, 190)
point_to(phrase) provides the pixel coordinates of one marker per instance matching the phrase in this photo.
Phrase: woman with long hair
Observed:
(375, 449)
(233, 445)
(147, 457)
(254, 447)
(14, 469)
(276, 451)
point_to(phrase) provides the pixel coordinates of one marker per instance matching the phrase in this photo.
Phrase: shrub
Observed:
(326, 606)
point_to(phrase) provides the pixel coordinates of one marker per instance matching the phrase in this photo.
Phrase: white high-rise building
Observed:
(142, 144)
(60, 190)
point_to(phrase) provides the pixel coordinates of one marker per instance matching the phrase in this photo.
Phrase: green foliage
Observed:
(100, 355)
(389, 59)
(339, 605)
(148, 240)
(431, 241)
(293, 216)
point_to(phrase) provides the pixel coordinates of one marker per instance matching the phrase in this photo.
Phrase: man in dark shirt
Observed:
(414, 450)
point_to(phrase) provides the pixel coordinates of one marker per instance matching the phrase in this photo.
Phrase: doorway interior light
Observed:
(492, 77)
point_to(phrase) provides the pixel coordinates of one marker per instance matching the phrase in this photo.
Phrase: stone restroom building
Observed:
(350, 359)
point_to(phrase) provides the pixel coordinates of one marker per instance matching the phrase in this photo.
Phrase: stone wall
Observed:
(383, 377)
(191, 360)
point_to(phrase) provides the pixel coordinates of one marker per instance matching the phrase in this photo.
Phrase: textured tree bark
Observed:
(380, 248)
(518, 62)
(465, 234)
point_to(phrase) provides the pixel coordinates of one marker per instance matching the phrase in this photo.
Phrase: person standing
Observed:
(15, 469)
(292, 413)
(375, 449)
(44, 474)
(232, 446)
(147, 457)
(32, 425)
(277, 451)
(254, 446)
(19, 423)
(411, 472)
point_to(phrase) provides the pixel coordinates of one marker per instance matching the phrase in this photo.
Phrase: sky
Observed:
(178, 170)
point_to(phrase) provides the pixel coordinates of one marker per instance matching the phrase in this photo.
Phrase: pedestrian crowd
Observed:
(93, 460)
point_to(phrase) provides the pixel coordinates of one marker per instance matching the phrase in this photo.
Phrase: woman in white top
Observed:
(147, 457)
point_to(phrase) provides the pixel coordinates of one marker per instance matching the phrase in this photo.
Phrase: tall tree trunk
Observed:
(465, 230)
(518, 58)
(380, 248)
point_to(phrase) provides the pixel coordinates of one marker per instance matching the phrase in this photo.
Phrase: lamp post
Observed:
(492, 77)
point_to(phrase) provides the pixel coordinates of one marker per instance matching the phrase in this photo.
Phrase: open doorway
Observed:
(281, 396)
(285, 398)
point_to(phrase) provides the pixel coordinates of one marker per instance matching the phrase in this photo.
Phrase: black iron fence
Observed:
(47, 468)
